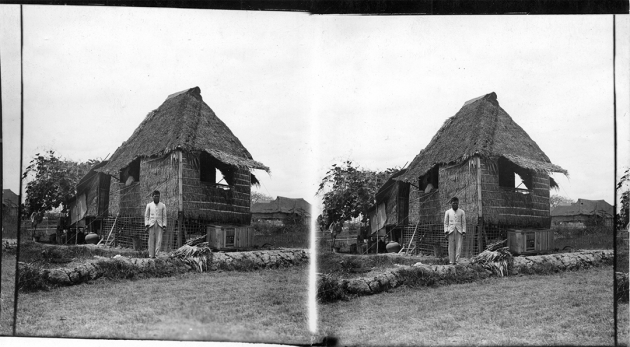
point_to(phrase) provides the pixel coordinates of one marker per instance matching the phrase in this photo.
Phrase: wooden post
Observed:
(180, 208)
(480, 223)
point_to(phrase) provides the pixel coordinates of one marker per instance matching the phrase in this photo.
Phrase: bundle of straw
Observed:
(497, 261)
(496, 245)
(198, 257)
(196, 241)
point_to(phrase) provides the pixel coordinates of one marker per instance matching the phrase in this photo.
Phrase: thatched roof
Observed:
(584, 207)
(184, 122)
(283, 205)
(385, 190)
(9, 198)
(481, 127)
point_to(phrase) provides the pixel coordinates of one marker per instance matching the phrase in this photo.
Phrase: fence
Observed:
(429, 238)
(426, 239)
(130, 232)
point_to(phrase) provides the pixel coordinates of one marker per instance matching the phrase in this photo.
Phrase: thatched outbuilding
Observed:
(283, 211)
(391, 206)
(483, 157)
(583, 213)
(91, 201)
(185, 151)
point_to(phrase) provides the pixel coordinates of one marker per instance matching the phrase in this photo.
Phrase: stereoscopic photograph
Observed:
(284, 177)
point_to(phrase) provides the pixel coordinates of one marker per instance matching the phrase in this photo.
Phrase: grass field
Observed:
(261, 306)
(571, 308)
(7, 281)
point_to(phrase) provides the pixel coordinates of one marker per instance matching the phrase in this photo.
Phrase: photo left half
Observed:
(165, 174)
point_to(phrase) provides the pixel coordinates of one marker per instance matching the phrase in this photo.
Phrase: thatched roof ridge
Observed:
(482, 128)
(283, 205)
(584, 207)
(184, 122)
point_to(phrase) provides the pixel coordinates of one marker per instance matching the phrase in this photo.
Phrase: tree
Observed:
(54, 181)
(622, 217)
(259, 197)
(556, 200)
(349, 191)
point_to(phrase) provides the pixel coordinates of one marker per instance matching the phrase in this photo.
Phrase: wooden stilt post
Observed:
(180, 209)
(480, 223)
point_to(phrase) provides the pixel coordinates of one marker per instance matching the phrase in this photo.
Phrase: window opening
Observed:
(131, 173)
(513, 176)
(429, 182)
(530, 242)
(214, 172)
(229, 237)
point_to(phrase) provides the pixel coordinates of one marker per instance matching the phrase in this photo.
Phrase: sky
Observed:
(303, 92)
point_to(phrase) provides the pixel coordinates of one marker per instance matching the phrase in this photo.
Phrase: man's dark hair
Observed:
(454, 199)
(155, 192)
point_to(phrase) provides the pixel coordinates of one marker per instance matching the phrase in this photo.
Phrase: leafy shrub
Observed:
(29, 279)
(331, 288)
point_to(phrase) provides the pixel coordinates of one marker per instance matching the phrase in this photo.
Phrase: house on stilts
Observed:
(89, 206)
(202, 170)
(500, 175)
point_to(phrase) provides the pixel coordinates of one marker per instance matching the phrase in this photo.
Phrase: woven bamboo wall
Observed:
(414, 204)
(391, 208)
(508, 207)
(130, 202)
(114, 197)
(459, 181)
(200, 200)
(205, 201)
(402, 203)
(160, 174)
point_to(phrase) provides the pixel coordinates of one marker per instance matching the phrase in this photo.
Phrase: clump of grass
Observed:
(343, 264)
(117, 269)
(621, 294)
(30, 280)
(33, 251)
(330, 289)
(241, 265)
(420, 277)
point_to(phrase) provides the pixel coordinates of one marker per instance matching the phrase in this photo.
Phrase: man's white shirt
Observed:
(455, 220)
(155, 214)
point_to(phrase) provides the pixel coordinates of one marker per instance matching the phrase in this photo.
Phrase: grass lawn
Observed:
(570, 308)
(7, 281)
(623, 324)
(258, 306)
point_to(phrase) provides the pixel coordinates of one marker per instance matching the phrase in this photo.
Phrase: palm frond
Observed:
(198, 257)
(499, 261)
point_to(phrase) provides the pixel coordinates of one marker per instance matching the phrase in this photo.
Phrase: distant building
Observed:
(10, 202)
(583, 213)
(282, 211)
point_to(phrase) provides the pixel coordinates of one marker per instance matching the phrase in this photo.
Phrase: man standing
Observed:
(454, 229)
(155, 223)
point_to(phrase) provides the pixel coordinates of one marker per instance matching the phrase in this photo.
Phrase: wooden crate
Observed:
(530, 241)
(230, 237)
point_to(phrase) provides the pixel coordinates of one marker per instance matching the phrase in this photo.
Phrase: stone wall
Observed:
(124, 267)
(421, 274)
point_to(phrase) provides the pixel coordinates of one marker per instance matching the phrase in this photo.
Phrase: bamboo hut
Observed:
(282, 211)
(91, 201)
(583, 213)
(200, 167)
(500, 175)
(391, 208)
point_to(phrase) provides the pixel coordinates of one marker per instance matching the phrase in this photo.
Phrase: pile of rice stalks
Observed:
(198, 257)
(495, 258)
(196, 241)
